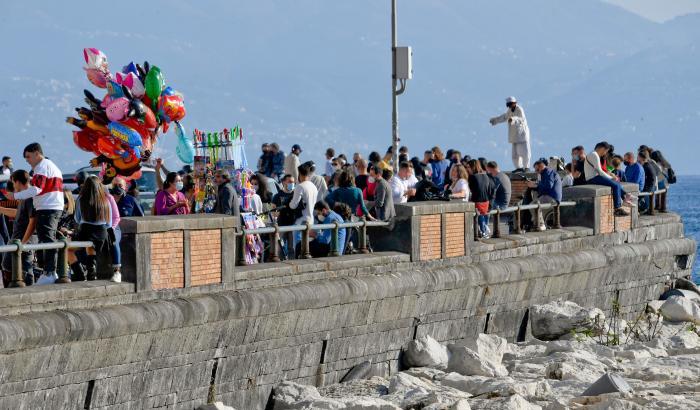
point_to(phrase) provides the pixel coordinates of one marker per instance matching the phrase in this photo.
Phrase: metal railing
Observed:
(17, 247)
(517, 210)
(275, 230)
(657, 200)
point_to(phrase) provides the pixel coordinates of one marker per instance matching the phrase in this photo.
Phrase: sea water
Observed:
(684, 199)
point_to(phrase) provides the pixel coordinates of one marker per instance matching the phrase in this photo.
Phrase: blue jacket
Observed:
(324, 236)
(635, 173)
(439, 171)
(278, 164)
(550, 184)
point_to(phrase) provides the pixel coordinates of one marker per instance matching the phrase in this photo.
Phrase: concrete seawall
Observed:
(175, 350)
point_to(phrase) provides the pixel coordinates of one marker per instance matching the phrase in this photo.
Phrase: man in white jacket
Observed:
(518, 132)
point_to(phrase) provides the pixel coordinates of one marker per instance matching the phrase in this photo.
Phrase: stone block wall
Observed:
(175, 252)
(236, 345)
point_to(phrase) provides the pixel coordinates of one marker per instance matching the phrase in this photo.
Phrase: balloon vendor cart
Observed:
(122, 128)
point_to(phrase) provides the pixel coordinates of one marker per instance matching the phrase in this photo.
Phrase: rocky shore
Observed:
(577, 358)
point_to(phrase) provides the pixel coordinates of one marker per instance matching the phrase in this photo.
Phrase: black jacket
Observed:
(227, 202)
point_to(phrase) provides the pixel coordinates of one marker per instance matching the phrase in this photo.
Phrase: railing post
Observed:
(497, 224)
(62, 263)
(363, 236)
(274, 240)
(652, 203)
(557, 216)
(518, 221)
(334, 241)
(305, 253)
(17, 275)
(662, 201)
(538, 216)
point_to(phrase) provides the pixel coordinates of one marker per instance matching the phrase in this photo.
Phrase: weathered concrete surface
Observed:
(237, 344)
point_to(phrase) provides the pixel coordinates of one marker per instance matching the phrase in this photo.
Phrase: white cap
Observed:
(511, 100)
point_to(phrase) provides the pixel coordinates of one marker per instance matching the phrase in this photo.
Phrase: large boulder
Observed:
(409, 391)
(287, 394)
(514, 402)
(502, 386)
(426, 352)
(680, 309)
(479, 357)
(556, 319)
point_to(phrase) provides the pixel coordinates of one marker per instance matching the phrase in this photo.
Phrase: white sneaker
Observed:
(47, 279)
(542, 228)
(117, 277)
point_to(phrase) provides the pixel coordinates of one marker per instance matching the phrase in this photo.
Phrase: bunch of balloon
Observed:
(122, 128)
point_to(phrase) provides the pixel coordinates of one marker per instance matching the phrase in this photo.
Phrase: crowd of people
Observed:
(291, 192)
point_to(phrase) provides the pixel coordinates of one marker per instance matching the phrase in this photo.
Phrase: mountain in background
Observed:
(317, 73)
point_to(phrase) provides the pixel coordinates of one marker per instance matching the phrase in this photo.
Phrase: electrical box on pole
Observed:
(404, 63)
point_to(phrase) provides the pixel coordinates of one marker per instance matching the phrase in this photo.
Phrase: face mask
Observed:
(179, 186)
(370, 180)
(290, 187)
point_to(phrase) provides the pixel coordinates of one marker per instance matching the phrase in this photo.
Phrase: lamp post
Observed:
(401, 71)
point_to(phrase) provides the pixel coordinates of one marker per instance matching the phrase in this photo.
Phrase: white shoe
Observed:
(117, 277)
(47, 279)
(542, 228)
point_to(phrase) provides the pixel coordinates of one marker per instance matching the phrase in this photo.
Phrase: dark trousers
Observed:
(316, 249)
(46, 225)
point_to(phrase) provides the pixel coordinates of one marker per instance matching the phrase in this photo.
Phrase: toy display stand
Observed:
(221, 150)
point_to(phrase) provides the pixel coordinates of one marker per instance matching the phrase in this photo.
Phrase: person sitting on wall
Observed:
(596, 175)
(320, 246)
(548, 190)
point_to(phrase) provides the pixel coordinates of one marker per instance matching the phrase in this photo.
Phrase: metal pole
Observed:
(17, 274)
(497, 224)
(62, 268)
(274, 240)
(305, 253)
(394, 95)
(557, 216)
(334, 241)
(362, 236)
(518, 222)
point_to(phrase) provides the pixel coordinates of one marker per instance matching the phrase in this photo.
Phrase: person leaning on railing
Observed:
(23, 226)
(94, 216)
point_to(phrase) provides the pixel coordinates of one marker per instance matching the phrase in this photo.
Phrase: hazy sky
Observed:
(660, 10)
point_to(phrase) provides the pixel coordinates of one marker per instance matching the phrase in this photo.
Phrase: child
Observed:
(23, 226)
(568, 179)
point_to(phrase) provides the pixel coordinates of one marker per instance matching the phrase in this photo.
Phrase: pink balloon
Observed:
(132, 82)
(117, 109)
(106, 101)
(94, 58)
(97, 77)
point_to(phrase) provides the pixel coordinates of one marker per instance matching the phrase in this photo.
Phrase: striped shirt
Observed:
(46, 187)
